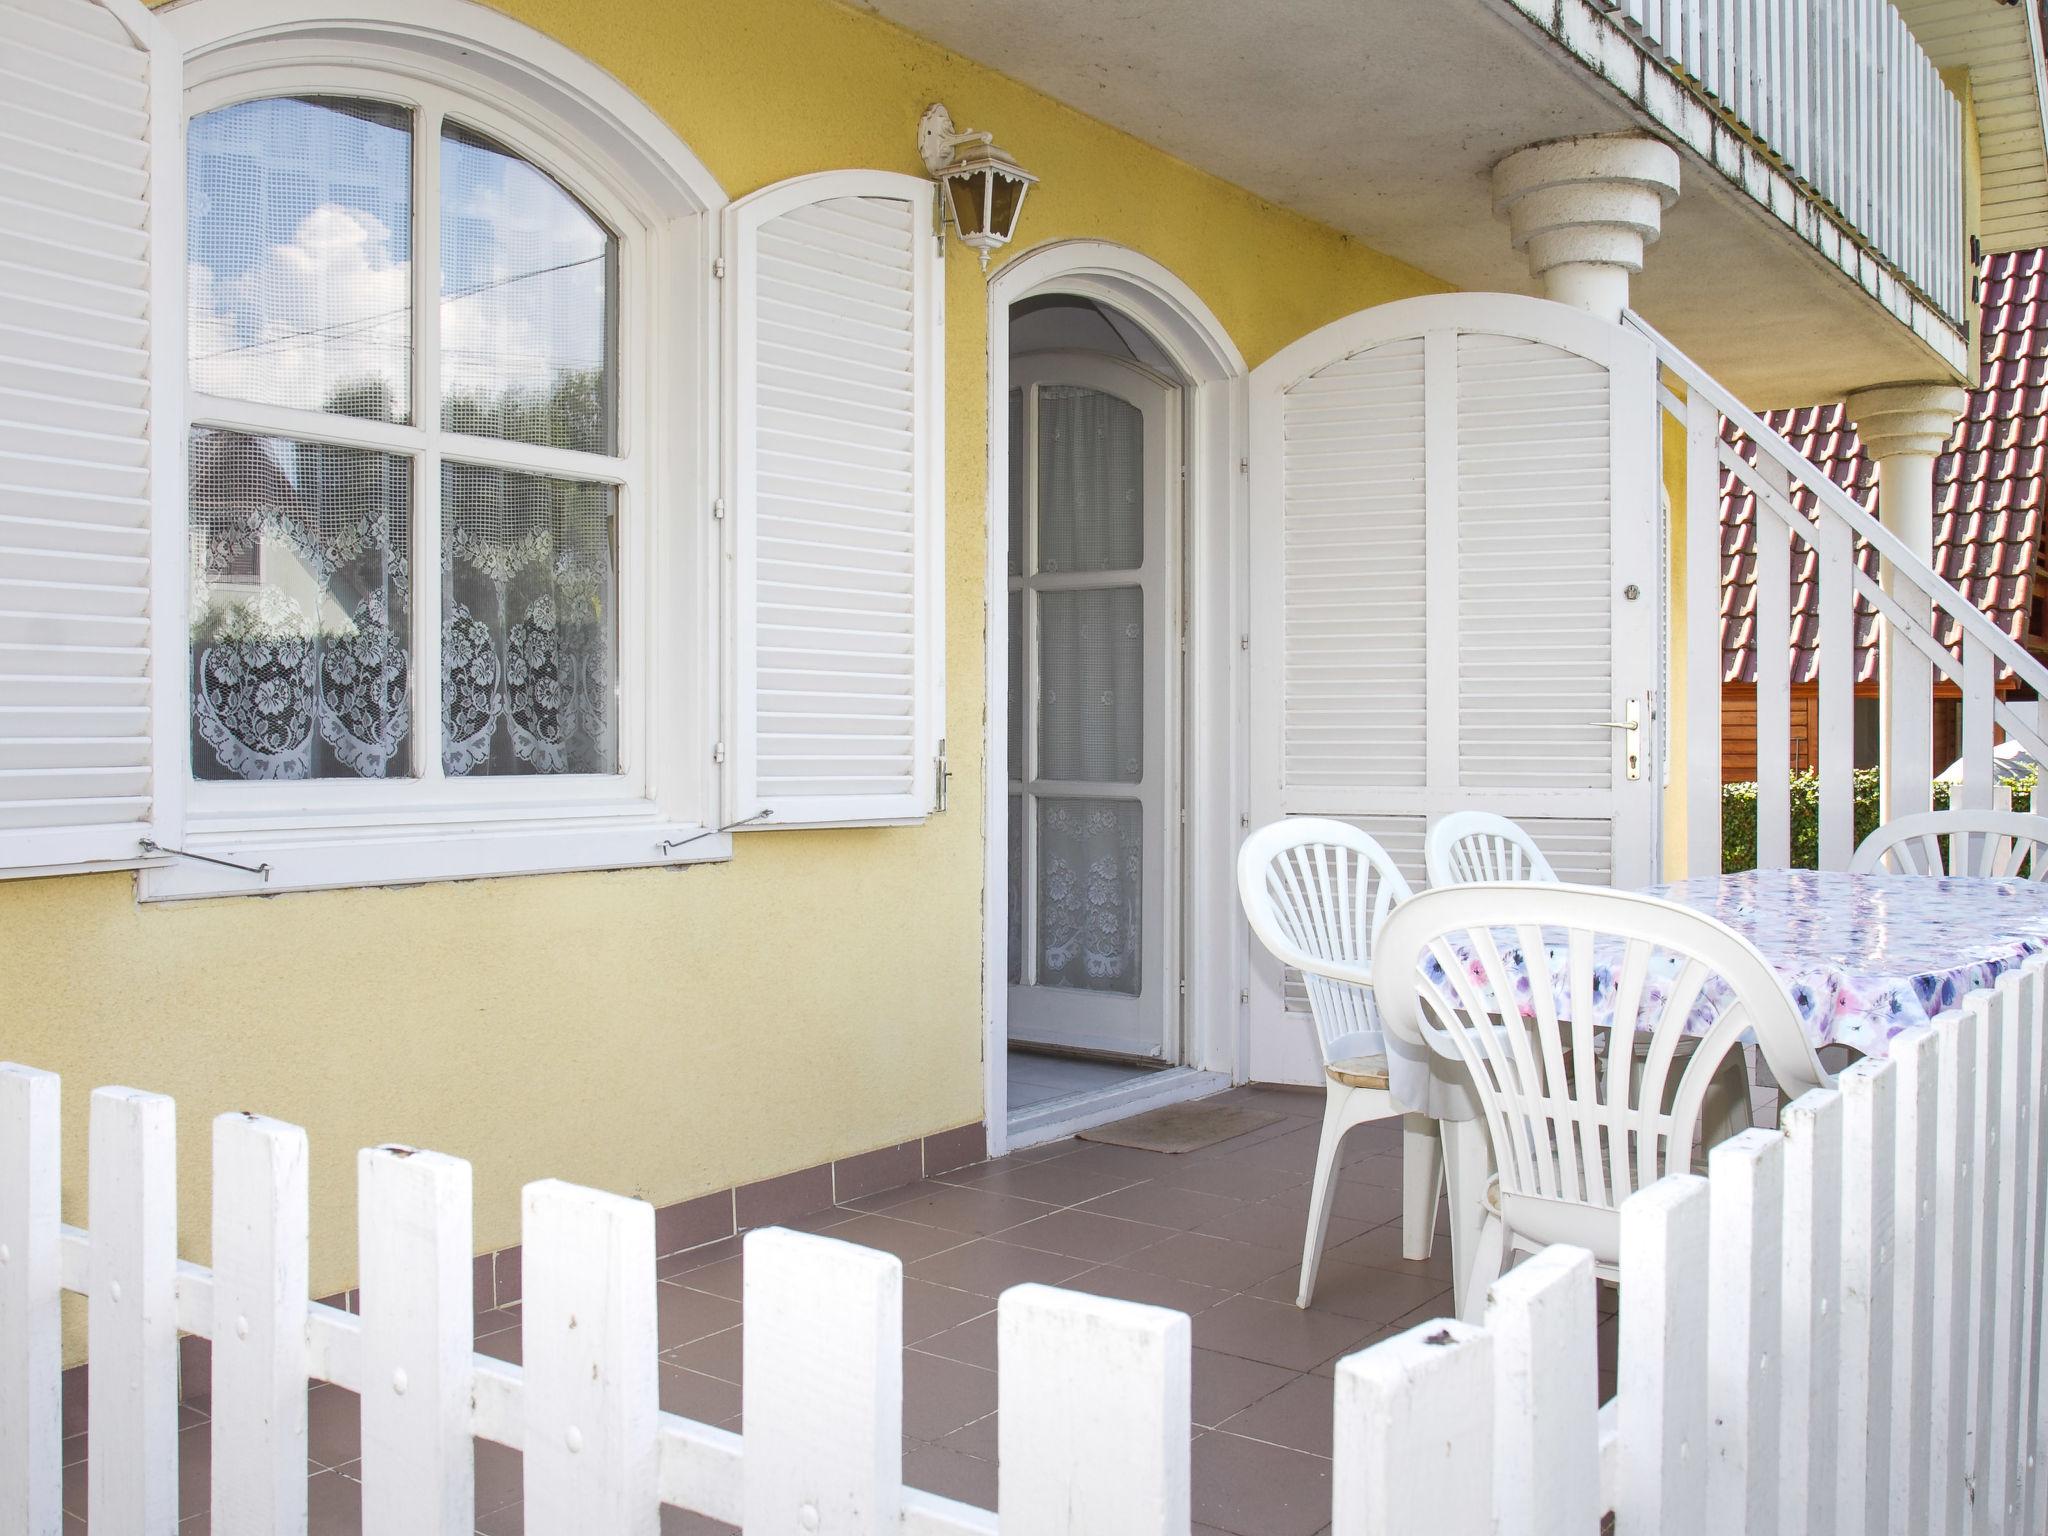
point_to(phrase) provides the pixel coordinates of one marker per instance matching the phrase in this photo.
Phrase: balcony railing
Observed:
(1843, 95)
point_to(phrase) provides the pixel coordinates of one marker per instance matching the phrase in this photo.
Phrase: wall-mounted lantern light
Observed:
(984, 186)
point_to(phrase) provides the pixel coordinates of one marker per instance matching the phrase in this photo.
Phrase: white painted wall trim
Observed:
(1216, 552)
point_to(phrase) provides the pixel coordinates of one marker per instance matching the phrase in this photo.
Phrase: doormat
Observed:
(1181, 1127)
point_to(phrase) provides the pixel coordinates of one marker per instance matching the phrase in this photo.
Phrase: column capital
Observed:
(1917, 418)
(1583, 211)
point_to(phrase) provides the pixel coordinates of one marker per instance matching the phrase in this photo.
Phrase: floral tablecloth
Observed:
(1867, 957)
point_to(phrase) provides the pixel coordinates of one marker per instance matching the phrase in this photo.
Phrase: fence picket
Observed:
(1986, 1254)
(1948, 1458)
(1546, 1396)
(2013, 1131)
(1661, 1360)
(588, 1348)
(1811, 1345)
(1916, 1055)
(1414, 1435)
(413, 1252)
(260, 1228)
(1862, 1482)
(31, 1305)
(822, 1387)
(1747, 1172)
(1077, 1372)
(132, 1315)
(2034, 1492)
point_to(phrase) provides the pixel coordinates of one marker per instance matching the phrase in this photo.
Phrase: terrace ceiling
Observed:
(1384, 119)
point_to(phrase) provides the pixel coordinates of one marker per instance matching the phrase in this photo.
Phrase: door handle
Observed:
(1633, 724)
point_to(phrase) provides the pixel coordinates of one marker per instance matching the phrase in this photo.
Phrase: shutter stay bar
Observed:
(669, 845)
(151, 845)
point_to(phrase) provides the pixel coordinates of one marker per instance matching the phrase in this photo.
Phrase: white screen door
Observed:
(1456, 592)
(1094, 472)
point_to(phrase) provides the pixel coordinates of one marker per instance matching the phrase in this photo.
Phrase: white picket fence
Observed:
(1837, 1330)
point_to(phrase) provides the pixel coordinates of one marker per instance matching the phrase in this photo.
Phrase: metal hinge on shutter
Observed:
(718, 508)
(718, 266)
(941, 776)
(718, 751)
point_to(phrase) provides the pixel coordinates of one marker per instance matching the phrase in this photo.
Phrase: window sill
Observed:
(335, 857)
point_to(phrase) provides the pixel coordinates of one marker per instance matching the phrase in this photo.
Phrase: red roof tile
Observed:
(1988, 486)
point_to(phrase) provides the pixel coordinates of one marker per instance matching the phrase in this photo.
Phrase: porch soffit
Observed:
(1384, 119)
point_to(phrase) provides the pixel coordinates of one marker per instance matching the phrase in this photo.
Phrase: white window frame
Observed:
(585, 130)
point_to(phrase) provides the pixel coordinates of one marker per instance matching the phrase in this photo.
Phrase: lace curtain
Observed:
(529, 588)
(302, 609)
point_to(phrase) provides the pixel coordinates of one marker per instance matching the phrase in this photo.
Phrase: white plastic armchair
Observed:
(2007, 844)
(1315, 892)
(1468, 847)
(1578, 1123)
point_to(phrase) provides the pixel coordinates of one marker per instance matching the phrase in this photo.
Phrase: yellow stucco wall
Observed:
(662, 1033)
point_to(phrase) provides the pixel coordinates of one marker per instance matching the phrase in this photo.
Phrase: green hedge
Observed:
(1738, 816)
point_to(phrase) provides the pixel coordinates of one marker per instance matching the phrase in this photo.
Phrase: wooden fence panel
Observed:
(31, 1305)
(1917, 1057)
(1811, 1342)
(589, 1348)
(1414, 1435)
(260, 1229)
(1744, 1278)
(822, 1388)
(1546, 1437)
(1076, 1373)
(132, 1315)
(1661, 1360)
(1863, 1435)
(413, 1251)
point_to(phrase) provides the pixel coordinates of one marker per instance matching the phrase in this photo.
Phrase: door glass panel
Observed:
(1016, 685)
(1091, 481)
(1016, 482)
(1016, 890)
(1091, 858)
(1091, 685)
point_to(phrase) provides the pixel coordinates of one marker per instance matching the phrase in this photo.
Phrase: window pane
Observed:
(1091, 481)
(1091, 685)
(298, 254)
(301, 609)
(529, 625)
(1090, 868)
(528, 278)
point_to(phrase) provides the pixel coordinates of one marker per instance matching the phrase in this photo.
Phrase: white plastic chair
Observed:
(2007, 844)
(1315, 892)
(1575, 1125)
(1469, 847)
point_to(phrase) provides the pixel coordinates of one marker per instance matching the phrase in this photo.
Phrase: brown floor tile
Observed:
(508, 1344)
(683, 1522)
(1164, 1205)
(1239, 1180)
(1224, 1385)
(1276, 1224)
(334, 1505)
(1129, 1163)
(1085, 1235)
(718, 1354)
(692, 1223)
(872, 1172)
(941, 1395)
(1152, 1290)
(500, 1477)
(963, 1209)
(1297, 1416)
(930, 1309)
(980, 1438)
(908, 1240)
(989, 1266)
(683, 1315)
(675, 1265)
(1352, 1290)
(1254, 1489)
(496, 1321)
(694, 1395)
(334, 1433)
(1376, 1168)
(771, 1202)
(950, 1474)
(1055, 1183)
(1276, 1332)
(1373, 1204)
(971, 1343)
(725, 1278)
(1380, 1248)
(1214, 1261)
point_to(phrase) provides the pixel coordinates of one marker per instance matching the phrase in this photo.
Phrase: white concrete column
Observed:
(1584, 210)
(1904, 428)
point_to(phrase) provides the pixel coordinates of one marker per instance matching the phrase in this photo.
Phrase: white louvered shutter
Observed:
(1453, 498)
(90, 202)
(835, 518)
